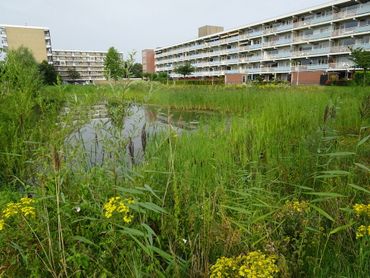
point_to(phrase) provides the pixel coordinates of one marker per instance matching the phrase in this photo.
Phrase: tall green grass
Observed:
(223, 190)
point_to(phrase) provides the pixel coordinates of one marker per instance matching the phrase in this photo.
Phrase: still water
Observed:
(100, 140)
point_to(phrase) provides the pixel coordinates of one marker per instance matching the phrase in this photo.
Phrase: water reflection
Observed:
(100, 141)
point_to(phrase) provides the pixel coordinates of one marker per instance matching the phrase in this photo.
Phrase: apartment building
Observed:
(300, 47)
(89, 65)
(37, 39)
(148, 60)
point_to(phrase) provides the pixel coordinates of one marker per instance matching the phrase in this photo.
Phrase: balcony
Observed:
(284, 27)
(363, 9)
(255, 58)
(350, 31)
(253, 70)
(250, 47)
(346, 48)
(362, 29)
(312, 52)
(232, 50)
(314, 36)
(277, 42)
(255, 33)
(316, 67)
(279, 55)
(275, 69)
(321, 19)
(231, 71)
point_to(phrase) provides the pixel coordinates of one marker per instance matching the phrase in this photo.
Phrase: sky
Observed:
(138, 24)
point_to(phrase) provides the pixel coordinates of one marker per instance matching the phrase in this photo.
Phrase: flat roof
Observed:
(24, 26)
(303, 11)
(81, 51)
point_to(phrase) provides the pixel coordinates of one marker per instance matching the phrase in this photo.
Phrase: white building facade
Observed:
(89, 65)
(302, 45)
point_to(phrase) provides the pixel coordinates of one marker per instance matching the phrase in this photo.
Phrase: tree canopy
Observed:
(113, 65)
(73, 74)
(19, 72)
(48, 73)
(361, 59)
(137, 70)
(185, 69)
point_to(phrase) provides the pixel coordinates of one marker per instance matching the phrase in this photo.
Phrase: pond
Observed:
(101, 140)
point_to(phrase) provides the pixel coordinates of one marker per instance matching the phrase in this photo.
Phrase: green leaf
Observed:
(363, 167)
(338, 154)
(168, 257)
(133, 232)
(262, 217)
(84, 240)
(148, 188)
(363, 140)
(357, 187)
(152, 207)
(325, 194)
(333, 174)
(238, 209)
(340, 228)
(322, 212)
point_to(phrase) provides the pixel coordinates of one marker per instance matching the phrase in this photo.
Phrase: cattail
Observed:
(143, 138)
(56, 159)
(131, 149)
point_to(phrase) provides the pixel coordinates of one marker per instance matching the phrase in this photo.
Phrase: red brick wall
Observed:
(306, 77)
(148, 60)
(234, 78)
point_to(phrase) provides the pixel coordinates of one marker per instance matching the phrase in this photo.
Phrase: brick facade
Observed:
(306, 77)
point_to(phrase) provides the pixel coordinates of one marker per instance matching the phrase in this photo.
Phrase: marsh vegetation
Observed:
(229, 180)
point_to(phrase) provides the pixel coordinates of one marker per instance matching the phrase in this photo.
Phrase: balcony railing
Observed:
(284, 27)
(277, 42)
(255, 58)
(316, 51)
(321, 19)
(314, 36)
(278, 55)
(276, 69)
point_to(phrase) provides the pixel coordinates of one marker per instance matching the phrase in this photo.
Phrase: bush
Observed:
(359, 78)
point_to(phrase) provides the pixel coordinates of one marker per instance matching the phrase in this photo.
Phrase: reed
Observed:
(275, 169)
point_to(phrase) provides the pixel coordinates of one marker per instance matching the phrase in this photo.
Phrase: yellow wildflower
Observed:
(362, 209)
(254, 264)
(117, 205)
(24, 207)
(361, 231)
(297, 206)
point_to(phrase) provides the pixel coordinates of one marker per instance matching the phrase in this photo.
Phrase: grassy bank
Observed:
(278, 172)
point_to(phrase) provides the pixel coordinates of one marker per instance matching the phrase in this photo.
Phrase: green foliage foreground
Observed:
(268, 186)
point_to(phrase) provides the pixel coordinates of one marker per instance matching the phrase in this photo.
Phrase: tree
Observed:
(113, 65)
(20, 73)
(137, 70)
(48, 73)
(185, 69)
(361, 59)
(73, 74)
(128, 64)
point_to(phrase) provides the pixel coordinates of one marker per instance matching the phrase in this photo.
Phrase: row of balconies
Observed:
(359, 10)
(80, 54)
(240, 49)
(277, 69)
(296, 39)
(279, 55)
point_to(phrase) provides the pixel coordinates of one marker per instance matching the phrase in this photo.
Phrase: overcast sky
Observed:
(138, 24)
